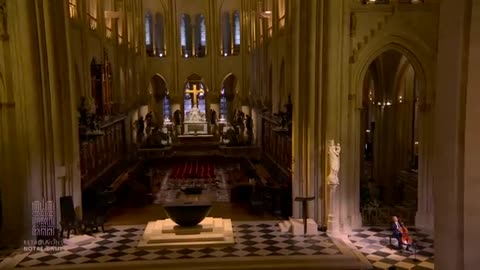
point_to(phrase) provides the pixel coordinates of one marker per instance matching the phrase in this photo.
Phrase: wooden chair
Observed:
(69, 219)
(95, 219)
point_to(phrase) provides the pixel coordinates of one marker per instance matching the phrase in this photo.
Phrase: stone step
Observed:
(79, 240)
(285, 226)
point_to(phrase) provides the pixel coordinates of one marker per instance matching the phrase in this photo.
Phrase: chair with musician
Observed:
(400, 232)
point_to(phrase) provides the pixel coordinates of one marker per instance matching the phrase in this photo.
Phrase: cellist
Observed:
(397, 231)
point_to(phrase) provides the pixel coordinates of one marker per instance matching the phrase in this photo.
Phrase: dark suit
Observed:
(397, 233)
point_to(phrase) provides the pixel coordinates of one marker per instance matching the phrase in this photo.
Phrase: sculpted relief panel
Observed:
(370, 21)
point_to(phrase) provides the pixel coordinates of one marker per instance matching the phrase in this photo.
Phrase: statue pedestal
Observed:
(332, 222)
(192, 128)
(165, 233)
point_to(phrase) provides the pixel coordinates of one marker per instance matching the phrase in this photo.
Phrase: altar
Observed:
(195, 120)
(195, 128)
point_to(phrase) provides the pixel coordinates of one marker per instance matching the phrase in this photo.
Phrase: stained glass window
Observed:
(166, 107)
(223, 105)
(183, 32)
(236, 21)
(148, 33)
(200, 36)
(203, 32)
(185, 36)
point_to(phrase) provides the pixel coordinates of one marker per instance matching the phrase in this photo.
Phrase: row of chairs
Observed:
(91, 222)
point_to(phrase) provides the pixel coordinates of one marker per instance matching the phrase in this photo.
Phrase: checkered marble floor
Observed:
(118, 244)
(374, 244)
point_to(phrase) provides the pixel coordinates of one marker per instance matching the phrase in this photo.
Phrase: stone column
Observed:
(341, 113)
(15, 211)
(39, 124)
(306, 105)
(456, 143)
(384, 145)
(426, 167)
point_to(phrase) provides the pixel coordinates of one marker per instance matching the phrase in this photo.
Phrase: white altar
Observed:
(194, 128)
(165, 233)
(195, 123)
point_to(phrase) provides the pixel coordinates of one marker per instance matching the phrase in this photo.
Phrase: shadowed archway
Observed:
(160, 99)
(227, 97)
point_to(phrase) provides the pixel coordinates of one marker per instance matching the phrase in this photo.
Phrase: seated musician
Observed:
(397, 230)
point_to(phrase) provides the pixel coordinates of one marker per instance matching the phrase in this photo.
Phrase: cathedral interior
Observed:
(239, 134)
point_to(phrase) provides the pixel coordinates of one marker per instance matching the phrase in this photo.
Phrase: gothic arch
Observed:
(158, 87)
(417, 53)
(229, 83)
(420, 56)
(229, 93)
(194, 77)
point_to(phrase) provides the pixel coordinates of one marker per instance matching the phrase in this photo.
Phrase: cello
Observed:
(406, 238)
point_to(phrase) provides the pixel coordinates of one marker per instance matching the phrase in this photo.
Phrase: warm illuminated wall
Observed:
(92, 32)
(175, 68)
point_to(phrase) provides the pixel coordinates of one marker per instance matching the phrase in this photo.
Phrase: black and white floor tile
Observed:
(375, 245)
(118, 244)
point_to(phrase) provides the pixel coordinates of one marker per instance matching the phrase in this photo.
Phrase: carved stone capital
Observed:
(3, 20)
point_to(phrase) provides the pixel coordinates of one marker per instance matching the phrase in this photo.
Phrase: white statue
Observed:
(195, 115)
(334, 162)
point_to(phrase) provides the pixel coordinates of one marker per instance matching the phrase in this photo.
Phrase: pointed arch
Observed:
(421, 56)
(159, 92)
(229, 83)
(159, 87)
(227, 96)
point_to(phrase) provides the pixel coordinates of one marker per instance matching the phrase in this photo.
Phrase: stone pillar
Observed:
(14, 200)
(306, 109)
(341, 113)
(40, 119)
(67, 160)
(384, 145)
(425, 205)
(456, 143)
(347, 105)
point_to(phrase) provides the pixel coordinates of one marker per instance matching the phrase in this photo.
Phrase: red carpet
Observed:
(193, 170)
